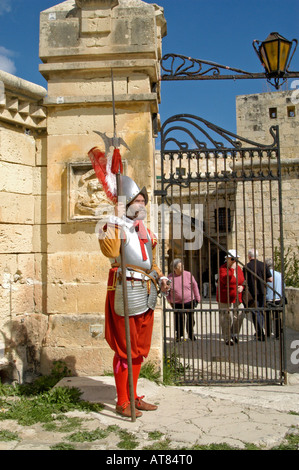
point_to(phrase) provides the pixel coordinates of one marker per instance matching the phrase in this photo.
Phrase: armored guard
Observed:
(144, 279)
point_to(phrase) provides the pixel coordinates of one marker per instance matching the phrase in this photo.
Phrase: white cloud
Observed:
(6, 63)
(5, 6)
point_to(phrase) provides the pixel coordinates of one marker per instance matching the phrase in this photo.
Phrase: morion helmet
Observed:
(130, 190)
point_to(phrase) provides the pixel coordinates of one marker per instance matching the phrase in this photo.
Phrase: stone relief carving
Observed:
(86, 197)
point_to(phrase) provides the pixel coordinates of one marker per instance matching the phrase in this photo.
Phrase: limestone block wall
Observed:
(292, 312)
(22, 246)
(255, 115)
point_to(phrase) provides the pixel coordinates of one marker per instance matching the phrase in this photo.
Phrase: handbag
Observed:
(247, 298)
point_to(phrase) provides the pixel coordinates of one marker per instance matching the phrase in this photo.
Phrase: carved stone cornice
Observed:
(96, 4)
(21, 103)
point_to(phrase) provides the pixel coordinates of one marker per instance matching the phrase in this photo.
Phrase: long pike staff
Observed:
(116, 168)
(108, 170)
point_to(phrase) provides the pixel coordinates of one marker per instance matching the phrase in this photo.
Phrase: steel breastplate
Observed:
(141, 291)
(133, 250)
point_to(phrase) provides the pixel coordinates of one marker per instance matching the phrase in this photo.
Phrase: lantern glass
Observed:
(274, 53)
(285, 48)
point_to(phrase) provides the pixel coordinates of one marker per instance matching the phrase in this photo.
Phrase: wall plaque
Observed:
(86, 198)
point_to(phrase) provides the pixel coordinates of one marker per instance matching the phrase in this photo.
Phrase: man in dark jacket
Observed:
(257, 274)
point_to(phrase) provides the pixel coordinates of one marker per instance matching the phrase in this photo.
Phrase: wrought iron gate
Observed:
(220, 192)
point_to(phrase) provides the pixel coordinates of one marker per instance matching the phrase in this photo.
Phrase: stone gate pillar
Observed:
(80, 42)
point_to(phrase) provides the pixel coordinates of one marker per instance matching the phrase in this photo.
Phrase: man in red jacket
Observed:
(229, 297)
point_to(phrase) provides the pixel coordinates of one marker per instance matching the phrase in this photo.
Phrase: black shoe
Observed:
(235, 339)
(229, 342)
(261, 338)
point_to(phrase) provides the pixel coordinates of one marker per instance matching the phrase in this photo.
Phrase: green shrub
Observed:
(291, 265)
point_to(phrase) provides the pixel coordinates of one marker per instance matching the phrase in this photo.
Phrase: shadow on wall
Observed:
(22, 339)
(26, 354)
(21, 350)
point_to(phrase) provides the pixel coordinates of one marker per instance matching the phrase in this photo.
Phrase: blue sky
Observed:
(217, 30)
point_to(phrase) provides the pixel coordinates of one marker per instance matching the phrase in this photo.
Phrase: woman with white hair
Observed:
(183, 295)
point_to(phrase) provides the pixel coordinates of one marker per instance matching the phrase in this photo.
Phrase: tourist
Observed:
(229, 297)
(183, 296)
(257, 274)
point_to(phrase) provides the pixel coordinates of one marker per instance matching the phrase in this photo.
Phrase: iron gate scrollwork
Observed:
(220, 192)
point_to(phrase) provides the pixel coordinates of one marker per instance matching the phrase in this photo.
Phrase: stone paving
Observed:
(187, 416)
(191, 415)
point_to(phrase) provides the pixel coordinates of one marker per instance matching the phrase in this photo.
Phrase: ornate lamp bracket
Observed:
(180, 67)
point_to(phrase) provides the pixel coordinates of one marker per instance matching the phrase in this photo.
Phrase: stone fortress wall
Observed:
(255, 115)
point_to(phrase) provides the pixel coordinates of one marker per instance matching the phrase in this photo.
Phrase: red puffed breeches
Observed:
(141, 327)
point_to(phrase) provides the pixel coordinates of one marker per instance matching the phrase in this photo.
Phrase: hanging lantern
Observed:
(274, 55)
